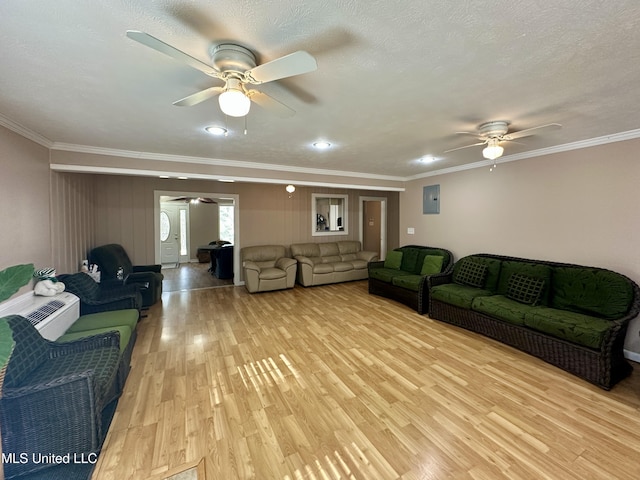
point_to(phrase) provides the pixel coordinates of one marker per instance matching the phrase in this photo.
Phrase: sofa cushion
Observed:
(393, 260)
(348, 246)
(571, 326)
(359, 264)
(410, 282)
(493, 269)
(386, 274)
(431, 264)
(592, 291)
(123, 330)
(305, 250)
(458, 295)
(470, 273)
(412, 259)
(323, 268)
(112, 318)
(269, 273)
(525, 289)
(501, 307)
(348, 257)
(329, 249)
(537, 270)
(342, 266)
(332, 259)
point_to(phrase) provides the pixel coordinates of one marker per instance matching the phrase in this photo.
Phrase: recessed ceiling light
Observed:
(427, 159)
(226, 180)
(321, 145)
(216, 131)
(183, 178)
(164, 176)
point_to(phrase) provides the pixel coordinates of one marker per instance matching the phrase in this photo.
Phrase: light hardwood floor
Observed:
(330, 382)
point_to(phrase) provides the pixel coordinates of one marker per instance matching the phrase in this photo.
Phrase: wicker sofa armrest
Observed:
(439, 279)
(59, 386)
(101, 340)
(376, 264)
(140, 277)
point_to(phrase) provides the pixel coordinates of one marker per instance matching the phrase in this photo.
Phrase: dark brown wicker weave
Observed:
(604, 367)
(63, 414)
(419, 300)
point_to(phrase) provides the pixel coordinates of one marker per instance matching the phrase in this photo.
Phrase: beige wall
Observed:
(124, 208)
(24, 217)
(203, 225)
(577, 207)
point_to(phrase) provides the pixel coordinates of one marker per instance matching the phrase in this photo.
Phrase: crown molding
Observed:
(25, 132)
(217, 162)
(200, 176)
(592, 142)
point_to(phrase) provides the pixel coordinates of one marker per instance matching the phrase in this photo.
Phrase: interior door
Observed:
(169, 234)
(372, 226)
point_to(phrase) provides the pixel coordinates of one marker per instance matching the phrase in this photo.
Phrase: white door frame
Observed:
(383, 221)
(183, 193)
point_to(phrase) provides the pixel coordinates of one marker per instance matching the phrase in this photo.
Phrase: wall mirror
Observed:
(329, 214)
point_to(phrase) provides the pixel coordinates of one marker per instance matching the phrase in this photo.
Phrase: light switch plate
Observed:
(411, 231)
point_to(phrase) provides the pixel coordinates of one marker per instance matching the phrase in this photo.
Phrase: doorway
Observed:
(184, 252)
(373, 225)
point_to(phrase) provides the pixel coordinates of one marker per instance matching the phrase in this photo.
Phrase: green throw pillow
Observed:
(393, 260)
(525, 289)
(471, 273)
(432, 264)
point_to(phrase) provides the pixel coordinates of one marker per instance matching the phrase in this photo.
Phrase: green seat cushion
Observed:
(470, 273)
(112, 318)
(502, 308)
(386, 274)
(525, 289)
(591, 291)
(458, 295)
(431, 264)
(393, 260)
(571, 326)
(535, 270)
(410, 282)
(123, 330)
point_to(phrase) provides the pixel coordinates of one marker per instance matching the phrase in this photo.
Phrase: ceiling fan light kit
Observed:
(493, 150)
(236, 66)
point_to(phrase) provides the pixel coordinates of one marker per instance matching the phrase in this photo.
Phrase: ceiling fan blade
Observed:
(199, 97)
(475, 134)
(466, 146)
(158, 45)
(271, 104)
(531, 131)
(295, 63)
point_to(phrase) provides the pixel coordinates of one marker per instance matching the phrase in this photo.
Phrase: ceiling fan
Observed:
(236, 66)
(492, 133)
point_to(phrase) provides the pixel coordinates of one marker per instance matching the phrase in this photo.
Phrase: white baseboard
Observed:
(634, 356)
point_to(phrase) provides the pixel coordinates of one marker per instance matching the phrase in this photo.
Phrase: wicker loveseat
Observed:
(572, 316)
(406, 282)
(331, 262)
(55, 396)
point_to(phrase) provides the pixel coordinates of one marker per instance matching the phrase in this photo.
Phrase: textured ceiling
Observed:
(395, 80)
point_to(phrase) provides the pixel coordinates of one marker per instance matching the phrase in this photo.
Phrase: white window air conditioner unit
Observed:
(51, 316)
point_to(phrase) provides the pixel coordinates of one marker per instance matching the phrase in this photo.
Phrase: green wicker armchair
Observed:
(55, 395)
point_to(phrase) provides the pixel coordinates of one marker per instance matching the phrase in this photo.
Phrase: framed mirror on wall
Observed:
(329, 214)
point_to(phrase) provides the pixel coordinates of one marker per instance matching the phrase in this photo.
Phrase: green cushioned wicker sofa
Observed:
(572, 316)
(402, 276)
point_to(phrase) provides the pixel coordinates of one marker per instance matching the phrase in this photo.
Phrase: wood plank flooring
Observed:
(190, 276)
(330, 382)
